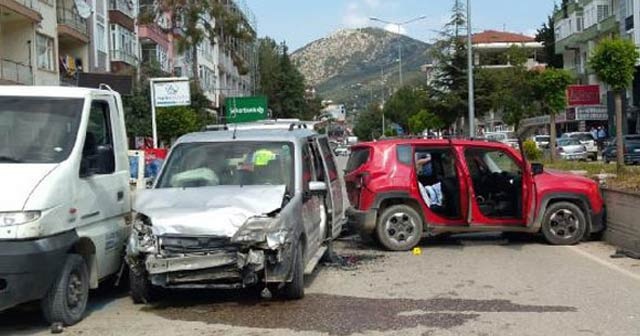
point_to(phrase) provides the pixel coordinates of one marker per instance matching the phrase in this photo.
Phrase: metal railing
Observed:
(16, 72)
(71, 18)
(123, 56)
(125, 6)
(28, 3)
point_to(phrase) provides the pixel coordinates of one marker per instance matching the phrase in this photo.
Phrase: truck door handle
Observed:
(120, 195)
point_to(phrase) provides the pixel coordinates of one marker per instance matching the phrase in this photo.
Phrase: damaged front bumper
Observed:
(226, 266)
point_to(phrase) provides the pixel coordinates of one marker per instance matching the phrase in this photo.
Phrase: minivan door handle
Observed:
(120, 195)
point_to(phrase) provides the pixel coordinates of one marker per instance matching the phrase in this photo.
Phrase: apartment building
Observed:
(580, 26)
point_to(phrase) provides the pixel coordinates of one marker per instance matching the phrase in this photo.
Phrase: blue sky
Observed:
(299, 22)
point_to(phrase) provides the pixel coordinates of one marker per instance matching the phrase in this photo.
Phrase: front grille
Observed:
(180, 244)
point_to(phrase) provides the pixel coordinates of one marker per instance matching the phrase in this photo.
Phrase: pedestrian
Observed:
(594, 133)
(602, 135)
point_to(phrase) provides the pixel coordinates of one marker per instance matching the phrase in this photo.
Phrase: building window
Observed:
(101, 44)
(44, 51)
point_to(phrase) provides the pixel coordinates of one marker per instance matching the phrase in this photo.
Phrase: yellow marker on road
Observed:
(417, 251)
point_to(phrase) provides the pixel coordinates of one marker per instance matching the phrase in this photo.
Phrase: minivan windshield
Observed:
(193, 165)
(38, 129)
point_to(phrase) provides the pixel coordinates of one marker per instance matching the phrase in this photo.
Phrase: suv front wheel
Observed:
(564, 223)
(399, 228)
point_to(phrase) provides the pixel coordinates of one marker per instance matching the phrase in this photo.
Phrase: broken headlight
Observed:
(18, 217)
(254, 230)
(142, 239)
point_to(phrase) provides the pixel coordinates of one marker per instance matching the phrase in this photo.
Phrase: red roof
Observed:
(494, 36)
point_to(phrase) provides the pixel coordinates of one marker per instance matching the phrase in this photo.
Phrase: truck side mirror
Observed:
(537, 168)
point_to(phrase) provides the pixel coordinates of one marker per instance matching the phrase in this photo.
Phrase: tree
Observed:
(614, 62)
(176, 121)
(369, 123)
(547, 35)
(424, 120)
(550, 89)
(405, 103)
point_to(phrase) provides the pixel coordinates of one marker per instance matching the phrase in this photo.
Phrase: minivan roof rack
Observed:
(213, 128)
(299, 125)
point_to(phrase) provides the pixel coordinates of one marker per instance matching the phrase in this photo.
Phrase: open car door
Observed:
(335, 193)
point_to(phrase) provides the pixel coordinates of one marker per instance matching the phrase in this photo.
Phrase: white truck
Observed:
(65, 196)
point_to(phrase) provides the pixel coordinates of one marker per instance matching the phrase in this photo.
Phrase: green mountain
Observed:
(350, 66)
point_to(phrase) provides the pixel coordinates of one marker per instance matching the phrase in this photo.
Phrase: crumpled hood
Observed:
(18, 182)
(211, 211)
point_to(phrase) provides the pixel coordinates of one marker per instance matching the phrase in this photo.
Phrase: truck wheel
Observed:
(564, 223)
(141, 289)
(399, 228)
(294, 290)
(67, 299)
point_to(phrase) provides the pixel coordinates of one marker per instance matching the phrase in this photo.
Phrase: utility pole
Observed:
(472, 112)
(383, 96)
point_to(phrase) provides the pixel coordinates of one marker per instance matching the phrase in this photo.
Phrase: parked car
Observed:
(631, 150)
(342, 150)
(65, 195)
(571, 149)
(508, 138)
(237, 209)
(586, 139)
(402, 190)
(542, 141)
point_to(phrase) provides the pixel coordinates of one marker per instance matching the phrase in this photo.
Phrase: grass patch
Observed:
(628, 180)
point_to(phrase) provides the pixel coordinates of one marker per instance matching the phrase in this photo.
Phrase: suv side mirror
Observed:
(317, 188)
(537, 168)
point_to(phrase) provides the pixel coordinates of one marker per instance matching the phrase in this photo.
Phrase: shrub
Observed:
(531, 150)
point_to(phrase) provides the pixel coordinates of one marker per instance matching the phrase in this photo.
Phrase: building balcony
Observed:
(70, 24)
(154, 33)
(127, 7)
(15, 73)
(124, 57)
(26, 9)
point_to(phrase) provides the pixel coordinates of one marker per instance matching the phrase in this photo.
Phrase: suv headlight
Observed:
(254, 230)
(18, 217)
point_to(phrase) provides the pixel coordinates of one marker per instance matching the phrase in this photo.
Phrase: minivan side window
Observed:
(328, 157)
(97, 154)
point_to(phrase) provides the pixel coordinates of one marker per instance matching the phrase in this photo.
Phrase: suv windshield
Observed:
(38, 130)
(194, 165)
(568, 142)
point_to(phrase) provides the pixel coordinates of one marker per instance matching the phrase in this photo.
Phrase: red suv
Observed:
(403, 190)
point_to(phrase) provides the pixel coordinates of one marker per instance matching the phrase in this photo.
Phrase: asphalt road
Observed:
(462, 285)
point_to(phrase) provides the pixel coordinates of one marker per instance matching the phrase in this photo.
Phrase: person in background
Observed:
(602, 135)
(594, 133)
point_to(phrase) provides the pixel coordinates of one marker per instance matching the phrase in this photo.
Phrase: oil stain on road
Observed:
(340, 315)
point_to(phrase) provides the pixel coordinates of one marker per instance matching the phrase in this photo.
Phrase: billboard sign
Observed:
(246, 109)
(583, 95)
(168, 94)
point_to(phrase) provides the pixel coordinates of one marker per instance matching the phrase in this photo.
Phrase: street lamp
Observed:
(472, 112)
(399, 25)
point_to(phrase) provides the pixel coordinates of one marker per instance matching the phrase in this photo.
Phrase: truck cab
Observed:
(65, 176)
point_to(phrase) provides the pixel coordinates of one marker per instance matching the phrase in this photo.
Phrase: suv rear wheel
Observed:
(564, 223)
(399, 228)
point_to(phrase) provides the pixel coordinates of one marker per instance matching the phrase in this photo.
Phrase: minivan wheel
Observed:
(141, 289)
(294, 290)
(399, 228)
(564, 223)
(66, 301)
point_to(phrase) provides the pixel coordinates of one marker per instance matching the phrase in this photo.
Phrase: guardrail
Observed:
(16, 72)
(623, 226)
(123, 56)
(70, 17)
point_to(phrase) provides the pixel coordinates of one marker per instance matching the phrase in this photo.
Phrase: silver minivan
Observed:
(237, 208)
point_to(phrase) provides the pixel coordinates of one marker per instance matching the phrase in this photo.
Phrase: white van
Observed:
(65, 193)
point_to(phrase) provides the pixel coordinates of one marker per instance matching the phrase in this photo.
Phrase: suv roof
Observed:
(433, 142)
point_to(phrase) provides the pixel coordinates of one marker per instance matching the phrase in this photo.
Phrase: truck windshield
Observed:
(192, 165)
(38, 129)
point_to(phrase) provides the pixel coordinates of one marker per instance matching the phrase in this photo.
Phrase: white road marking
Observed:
(605, 263)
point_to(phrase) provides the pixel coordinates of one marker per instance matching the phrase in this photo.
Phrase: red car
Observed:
(403, 190)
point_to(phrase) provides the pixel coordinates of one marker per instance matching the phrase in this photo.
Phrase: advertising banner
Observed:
(246, 109)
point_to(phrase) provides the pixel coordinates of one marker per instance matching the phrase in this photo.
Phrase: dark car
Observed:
(631, 150)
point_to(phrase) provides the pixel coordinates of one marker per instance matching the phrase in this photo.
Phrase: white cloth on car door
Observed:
(432, 195)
